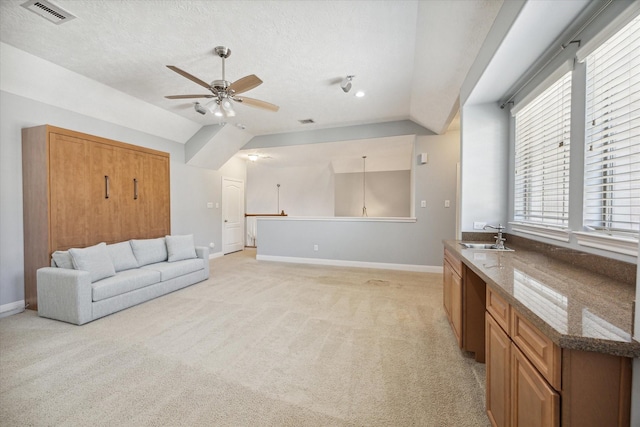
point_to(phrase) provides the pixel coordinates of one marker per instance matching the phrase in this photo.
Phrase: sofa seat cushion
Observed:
(123, 282)
(170, 270)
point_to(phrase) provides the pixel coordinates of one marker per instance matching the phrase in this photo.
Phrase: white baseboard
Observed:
(216, 255)
(359, 264)
(7, 309)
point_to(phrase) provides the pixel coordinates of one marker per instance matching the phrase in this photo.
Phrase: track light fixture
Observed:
(199, 108)
(346, 84)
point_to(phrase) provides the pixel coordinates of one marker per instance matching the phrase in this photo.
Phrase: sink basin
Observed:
(485, 246)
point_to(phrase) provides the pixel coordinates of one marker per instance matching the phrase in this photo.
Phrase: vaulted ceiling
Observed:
(409, 57)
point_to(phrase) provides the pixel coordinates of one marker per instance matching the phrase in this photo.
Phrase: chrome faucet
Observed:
(499, 239)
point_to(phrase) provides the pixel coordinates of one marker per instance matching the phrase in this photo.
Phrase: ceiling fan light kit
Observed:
(223, 91)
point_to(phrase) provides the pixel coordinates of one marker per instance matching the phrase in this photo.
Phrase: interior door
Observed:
(232, 215)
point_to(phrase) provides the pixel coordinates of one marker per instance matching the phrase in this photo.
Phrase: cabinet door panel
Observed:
(447, 273)
(456, 307)
(498, 359)
(533, 402)
(133, 211)
(103, 222)
(157, 196)
(69, 191)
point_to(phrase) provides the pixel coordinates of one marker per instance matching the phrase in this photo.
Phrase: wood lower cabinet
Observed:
(79, 190)
(464, 303)
(517, 394)
(452, 293)
(531, 382)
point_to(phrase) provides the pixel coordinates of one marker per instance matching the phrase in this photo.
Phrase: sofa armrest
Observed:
(203, 253)
(64, 294)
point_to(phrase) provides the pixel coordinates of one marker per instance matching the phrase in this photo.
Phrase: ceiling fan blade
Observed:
(189, 76)
(244, 84)
(188, 96)
(257, 103)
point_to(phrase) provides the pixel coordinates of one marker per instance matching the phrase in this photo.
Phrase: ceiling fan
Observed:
(223, 91)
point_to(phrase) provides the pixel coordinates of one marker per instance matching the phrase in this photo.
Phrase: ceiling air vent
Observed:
(306, 121)
(49, 11)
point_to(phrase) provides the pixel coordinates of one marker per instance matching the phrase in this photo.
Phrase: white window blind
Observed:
(612, 152)
(542, 157)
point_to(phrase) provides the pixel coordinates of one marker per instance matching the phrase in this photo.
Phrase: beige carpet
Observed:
(258, 344)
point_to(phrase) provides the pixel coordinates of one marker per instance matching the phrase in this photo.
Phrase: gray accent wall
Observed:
(191, 187)
(412, 243)
(387, 194)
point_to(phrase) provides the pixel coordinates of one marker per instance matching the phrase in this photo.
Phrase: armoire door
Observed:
(157, 196)
(104, 226)
(69, 191)
(132, 213)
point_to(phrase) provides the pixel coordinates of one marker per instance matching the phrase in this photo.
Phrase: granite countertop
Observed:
(577, 309)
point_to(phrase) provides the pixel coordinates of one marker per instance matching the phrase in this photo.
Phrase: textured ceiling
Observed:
(409, 57)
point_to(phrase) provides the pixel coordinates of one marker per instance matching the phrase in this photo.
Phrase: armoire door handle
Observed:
(106, 186)
(135, 189)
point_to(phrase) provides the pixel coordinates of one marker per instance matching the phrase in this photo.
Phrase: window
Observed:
(542, 132)
(612, 151)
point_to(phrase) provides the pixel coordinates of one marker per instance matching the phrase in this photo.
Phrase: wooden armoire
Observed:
(80, 190)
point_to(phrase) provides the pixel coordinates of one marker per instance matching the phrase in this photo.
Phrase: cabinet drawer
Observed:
(538, 348)
(499, 309)
(454, 262)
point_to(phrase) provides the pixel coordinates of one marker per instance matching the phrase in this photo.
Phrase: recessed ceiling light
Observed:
(253, 157)
(359, 94)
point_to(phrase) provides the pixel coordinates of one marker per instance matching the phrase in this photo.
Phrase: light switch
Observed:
(217, 205)
(447, 204)
(423, 204)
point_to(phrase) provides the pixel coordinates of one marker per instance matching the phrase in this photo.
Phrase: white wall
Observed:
(304, 191)
(191, 187)
(484, 157)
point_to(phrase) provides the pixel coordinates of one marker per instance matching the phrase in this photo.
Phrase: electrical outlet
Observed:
(477, 225)
(315, 247)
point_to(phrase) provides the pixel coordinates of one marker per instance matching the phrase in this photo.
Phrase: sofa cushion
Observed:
(123, 282)
(94, 259)
(62, 259)
(170, 270)
(122, 256)
(149, 251)
(180, 247)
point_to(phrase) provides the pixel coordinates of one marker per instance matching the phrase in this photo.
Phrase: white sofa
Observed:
(88, 283)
